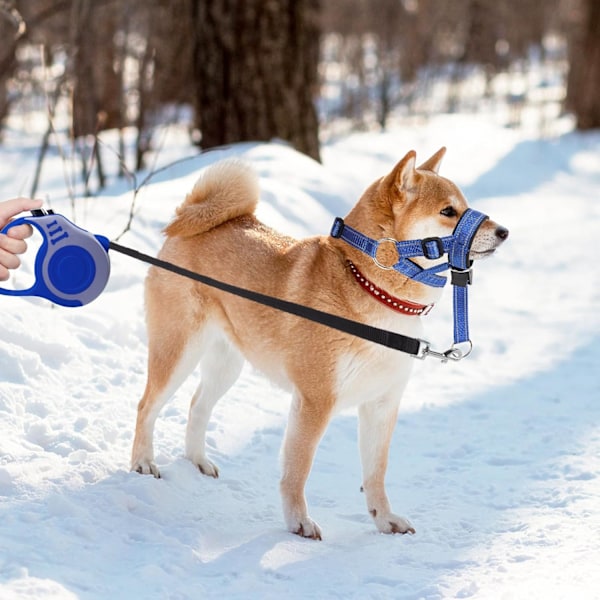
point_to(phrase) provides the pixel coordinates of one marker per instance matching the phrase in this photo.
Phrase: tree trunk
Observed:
(96, 84)
(583, 86)
(255, 64)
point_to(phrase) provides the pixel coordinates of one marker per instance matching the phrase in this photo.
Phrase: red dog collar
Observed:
(404, 307)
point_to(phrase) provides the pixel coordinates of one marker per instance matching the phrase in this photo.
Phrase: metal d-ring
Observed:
(376, 260)
(456, 353)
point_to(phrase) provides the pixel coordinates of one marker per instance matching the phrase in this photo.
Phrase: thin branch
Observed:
(94, 156)
(138, 188)
(14, 16)
(51, 103)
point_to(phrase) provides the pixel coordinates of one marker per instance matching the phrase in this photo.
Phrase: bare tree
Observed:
(165, 73)
(250, 69)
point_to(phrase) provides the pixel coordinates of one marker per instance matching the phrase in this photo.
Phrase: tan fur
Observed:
(216, 233)
(228, 190)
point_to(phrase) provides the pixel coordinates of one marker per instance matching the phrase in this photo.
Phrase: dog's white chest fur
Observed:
(375, 371)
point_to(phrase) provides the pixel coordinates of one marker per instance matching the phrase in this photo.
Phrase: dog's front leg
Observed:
(376, 425)
(305, 427)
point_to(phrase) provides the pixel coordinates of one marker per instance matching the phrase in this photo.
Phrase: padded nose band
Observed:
(463, 235)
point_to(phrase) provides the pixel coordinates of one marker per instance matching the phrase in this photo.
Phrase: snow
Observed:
(495, 460)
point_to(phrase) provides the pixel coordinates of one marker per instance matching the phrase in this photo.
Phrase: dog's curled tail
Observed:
(226, 190)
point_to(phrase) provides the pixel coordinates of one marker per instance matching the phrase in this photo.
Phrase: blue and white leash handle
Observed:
(71, 266)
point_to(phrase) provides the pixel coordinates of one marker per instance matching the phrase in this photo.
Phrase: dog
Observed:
(216, 233)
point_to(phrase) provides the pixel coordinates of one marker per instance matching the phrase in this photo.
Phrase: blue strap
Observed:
(431, 248)
(464, 232)
(460, 264)
(461, 312)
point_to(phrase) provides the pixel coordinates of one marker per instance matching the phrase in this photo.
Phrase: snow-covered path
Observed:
(495, 460)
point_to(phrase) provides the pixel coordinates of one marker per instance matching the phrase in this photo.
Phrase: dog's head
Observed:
(424, 204)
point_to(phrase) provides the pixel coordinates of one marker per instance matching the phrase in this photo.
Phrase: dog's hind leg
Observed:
(376, 425)
(172, 356)
(221, 365)
(305, 427)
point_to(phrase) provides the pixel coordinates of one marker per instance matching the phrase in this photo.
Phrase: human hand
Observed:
(13, 242)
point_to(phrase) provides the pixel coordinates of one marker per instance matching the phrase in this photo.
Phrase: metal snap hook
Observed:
(457, 353)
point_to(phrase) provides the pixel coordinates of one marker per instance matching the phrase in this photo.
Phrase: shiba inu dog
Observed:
(216, 233)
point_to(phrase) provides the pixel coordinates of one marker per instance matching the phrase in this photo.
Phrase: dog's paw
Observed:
(391, 523)
(307, 528)
(146, 468)
(207, 468)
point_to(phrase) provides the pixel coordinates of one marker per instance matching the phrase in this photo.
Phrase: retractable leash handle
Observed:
(71, 266)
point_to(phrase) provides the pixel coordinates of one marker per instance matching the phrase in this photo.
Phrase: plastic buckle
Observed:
(461, 277)
(439, 244)
(337, 227)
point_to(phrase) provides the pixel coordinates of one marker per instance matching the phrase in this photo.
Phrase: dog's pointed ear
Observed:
(403, 175)
(433, 163)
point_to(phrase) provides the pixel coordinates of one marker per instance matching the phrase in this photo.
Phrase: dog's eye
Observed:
(448, 212)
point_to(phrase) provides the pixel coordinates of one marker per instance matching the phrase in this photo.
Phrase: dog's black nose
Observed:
(502, 232)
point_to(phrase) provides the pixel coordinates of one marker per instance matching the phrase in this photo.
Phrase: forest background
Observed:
(296, 70)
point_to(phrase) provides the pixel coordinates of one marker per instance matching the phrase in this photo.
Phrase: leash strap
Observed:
(396, 341)
(72, 269)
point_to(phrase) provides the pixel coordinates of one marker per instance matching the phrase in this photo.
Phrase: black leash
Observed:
(389, 339)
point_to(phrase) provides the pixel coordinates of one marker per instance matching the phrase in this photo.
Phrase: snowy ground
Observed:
(496, 461)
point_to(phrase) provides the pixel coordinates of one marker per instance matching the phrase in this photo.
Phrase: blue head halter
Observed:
(457, 246)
